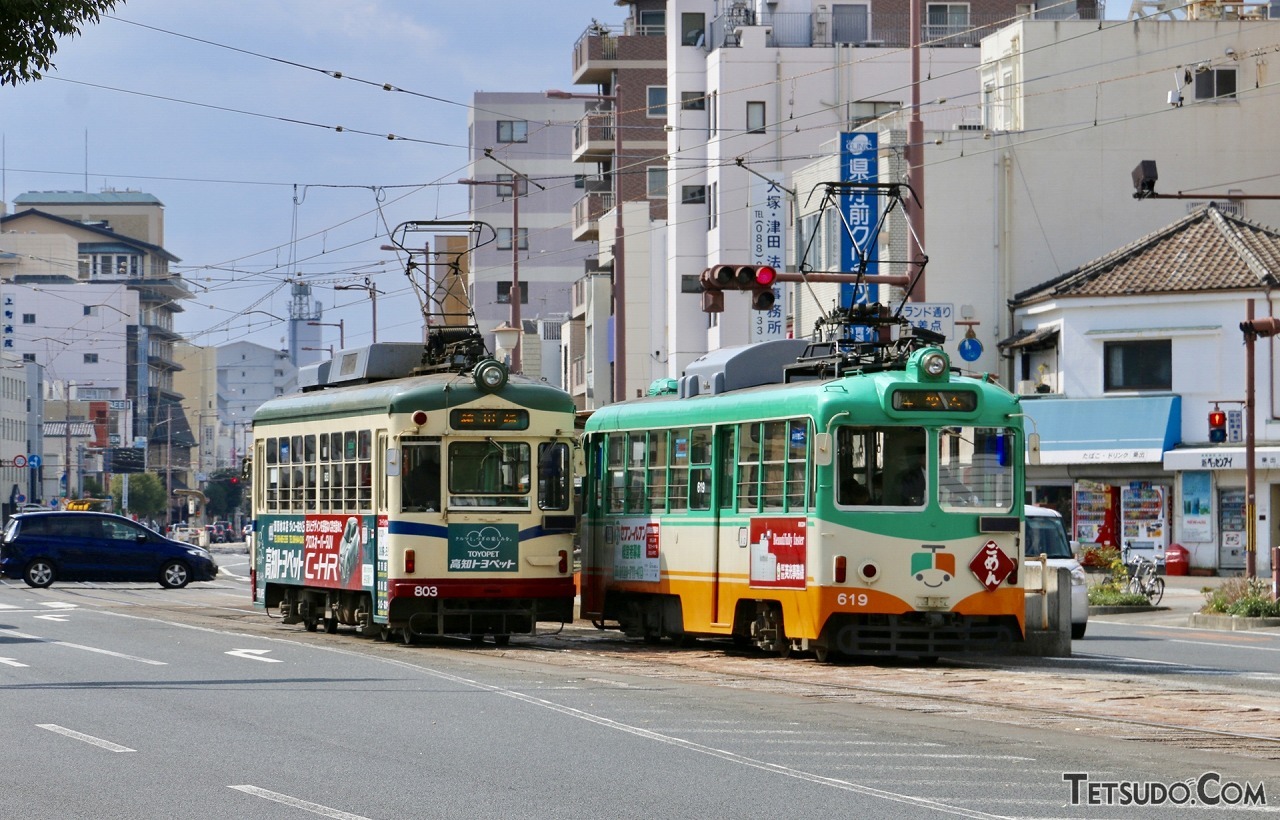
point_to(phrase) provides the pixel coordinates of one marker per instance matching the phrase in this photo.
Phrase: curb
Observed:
(1232, 623)
(1124, 610)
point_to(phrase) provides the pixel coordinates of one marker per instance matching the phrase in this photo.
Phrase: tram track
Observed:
(1107, 705)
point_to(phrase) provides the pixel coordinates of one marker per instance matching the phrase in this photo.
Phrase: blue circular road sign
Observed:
(970, 349)
(33, 461)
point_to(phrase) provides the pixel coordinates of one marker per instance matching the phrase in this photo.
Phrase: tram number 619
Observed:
(851, 599)
(425, 592)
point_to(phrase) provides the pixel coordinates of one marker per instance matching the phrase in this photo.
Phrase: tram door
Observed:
(727, 540)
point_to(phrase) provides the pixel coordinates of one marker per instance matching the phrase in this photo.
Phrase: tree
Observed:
(147, 496)
(224, 492)
(29, 32)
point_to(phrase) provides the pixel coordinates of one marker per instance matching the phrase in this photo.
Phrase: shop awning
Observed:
(1105, 431)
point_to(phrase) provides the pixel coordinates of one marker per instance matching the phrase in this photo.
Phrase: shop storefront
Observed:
(1101, 466)
(1211, 519)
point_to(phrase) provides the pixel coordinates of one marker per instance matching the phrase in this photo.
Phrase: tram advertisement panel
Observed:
(484, 547)
(636, 550)
(317, 550)
(778, 547)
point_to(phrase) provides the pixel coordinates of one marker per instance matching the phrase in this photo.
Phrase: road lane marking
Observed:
(253, 655)
(12, 662)
(1235, 646)
(298, 803)
(90, 739)
(15, 633)
(59, 618)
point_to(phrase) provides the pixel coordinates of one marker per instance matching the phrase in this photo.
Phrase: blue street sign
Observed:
(970, 349)
(33, 461)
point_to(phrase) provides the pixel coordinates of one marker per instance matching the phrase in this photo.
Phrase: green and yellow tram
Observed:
(431, 504)
(853, 499)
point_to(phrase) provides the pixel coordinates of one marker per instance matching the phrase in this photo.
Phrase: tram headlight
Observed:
(934, 364)
(490, 375)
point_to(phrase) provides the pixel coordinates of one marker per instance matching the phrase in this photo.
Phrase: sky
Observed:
(223, 111)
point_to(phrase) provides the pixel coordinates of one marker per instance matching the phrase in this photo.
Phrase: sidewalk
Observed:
(1184, 596)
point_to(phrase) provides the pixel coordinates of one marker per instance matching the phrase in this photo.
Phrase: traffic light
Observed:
(758, 279)
(1217, 426)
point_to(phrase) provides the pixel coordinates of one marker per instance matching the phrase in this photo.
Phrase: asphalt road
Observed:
(127, 700)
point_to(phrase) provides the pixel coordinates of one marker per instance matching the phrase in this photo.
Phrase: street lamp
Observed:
(328, 348)
(373, 299)
(619, 280)
(342, 334)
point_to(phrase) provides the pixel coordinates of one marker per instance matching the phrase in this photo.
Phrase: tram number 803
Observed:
(851, 599)
(425, 591)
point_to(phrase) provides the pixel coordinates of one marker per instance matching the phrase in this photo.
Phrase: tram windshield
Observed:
(889, 467)
(489, 473)
(975, 468)
(420, 475)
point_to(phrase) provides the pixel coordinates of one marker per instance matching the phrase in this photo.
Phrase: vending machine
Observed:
(1095, 513)
(1143, 520)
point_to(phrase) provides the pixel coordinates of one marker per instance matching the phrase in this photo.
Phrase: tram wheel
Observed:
(383, 634)
(330, 625)
(502, 640)
(822, 654)
(312, 624)
(477, 640)
(406, 635)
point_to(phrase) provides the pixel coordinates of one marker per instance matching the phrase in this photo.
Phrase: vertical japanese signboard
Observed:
(768, 247)
(860, 210)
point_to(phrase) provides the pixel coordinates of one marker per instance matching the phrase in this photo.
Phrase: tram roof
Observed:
(817, 398)
(435, 391)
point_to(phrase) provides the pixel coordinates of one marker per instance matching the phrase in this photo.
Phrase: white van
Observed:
(1046, 535)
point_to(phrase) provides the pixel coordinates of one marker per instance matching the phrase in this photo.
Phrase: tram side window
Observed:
(420, 475)
(616, 473)
(555, 476)
(748, 465)
(797, 462)
(636, 446)
(858, 471)
(775, 452)
(700, 469)
(658, 470)
(679, 489)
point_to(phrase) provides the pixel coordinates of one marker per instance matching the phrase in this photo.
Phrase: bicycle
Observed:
(1143, 579)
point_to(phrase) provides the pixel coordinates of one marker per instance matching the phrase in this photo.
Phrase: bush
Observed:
(1246, 597)
(1106, 594)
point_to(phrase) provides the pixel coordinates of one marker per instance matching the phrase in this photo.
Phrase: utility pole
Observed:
(372, 290)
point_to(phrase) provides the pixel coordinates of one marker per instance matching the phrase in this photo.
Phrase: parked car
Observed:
(1045, 534)
(44, 547)
(217, 533)
(228, 531)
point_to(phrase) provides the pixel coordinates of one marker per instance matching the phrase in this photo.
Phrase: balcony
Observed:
(593, 136)
(601, 48)
(586, 215)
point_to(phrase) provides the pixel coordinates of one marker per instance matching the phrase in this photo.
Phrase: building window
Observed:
(509, 182)
(865, 111)
(653, 23)
(90, 310)
(504, 239)
(656, 97)
(504, 293)
(91, 358)
(712, 219)
(656, 177)
(693, 100)
(1141, 365)
(693, 195)
(755, 118)
(693, 27)
(28, 318)
(28, 357)
(713, 118)
(513, 131)
(580, 181)
(1216, 83)
(945, 20)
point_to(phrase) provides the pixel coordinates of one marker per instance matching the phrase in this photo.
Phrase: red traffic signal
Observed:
(1217, 426)
(758, 279)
